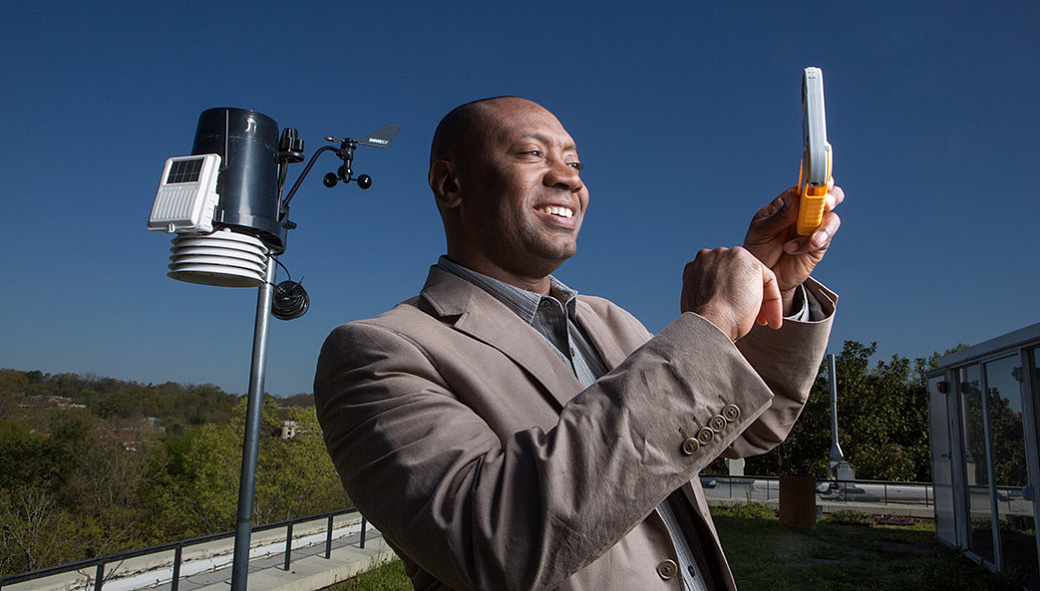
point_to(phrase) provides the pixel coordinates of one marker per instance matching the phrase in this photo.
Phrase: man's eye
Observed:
(537, 153)
(575, 165)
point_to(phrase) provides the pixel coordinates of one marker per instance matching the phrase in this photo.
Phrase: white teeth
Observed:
(564, 212)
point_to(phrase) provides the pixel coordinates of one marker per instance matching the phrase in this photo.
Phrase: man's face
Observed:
(523, 200)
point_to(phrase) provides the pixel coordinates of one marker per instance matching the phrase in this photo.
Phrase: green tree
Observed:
(43, 457)
(303, 400)
(47, 515)
(295, 477)
(198, 489)
(34, 530)
(882, 422)
(105, 489)
(23, 456)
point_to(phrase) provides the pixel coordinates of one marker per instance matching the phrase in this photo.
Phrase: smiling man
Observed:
(504, 432)
(524, 199)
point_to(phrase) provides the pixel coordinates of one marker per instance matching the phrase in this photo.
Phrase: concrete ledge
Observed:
(314, 572)
(317, 572)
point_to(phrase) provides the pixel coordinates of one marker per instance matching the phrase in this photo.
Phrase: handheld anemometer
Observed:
(817, 160)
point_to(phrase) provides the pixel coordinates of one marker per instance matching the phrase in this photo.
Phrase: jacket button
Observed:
(690, 446)
(667, 569)
(731, 412)
(705, 436)
(717, 423)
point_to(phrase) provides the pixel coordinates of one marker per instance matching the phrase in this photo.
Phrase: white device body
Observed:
(814, 126)
(186, 200)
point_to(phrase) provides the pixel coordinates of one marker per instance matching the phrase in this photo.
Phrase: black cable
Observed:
(290, 299)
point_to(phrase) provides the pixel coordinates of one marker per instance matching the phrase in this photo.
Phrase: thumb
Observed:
(772, 310)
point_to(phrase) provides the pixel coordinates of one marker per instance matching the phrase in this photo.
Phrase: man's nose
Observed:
(563, 176)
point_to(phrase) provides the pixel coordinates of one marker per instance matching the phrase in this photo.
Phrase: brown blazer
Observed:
(478, 455)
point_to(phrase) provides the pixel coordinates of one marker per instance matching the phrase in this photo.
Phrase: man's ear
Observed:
(444, 182)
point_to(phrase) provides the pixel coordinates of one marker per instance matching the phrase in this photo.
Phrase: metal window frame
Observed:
(951, 455)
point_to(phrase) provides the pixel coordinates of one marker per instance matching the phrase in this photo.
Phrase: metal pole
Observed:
(288, 546)
(175, 582)
(328, 539)
(836, 455)
(251, 441)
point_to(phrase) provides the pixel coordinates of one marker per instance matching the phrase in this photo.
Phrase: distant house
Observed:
(289, 429)
(41, 401)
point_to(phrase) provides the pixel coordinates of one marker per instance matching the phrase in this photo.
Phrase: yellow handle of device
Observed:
(813, 200)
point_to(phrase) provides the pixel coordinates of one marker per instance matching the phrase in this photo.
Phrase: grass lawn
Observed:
(389, 577)
(843, 554)
(847, 551)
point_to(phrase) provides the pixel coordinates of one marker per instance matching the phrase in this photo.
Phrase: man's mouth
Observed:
(563, 212)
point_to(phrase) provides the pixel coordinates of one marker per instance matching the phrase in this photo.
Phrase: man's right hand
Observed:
(732, 289)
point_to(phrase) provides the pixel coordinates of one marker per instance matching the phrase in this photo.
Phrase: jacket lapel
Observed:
(476, 313)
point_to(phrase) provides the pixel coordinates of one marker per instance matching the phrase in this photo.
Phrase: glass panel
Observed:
(980, 535)
(1017, 539)
(942, 479)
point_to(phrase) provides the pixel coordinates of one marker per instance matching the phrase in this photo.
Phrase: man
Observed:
(504, 433)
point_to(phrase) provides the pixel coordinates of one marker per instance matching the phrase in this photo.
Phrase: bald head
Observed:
(464, 130)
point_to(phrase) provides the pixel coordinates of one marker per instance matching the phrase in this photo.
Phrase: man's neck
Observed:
(540, 285)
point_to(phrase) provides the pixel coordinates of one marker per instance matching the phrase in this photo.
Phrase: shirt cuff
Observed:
(800, 306)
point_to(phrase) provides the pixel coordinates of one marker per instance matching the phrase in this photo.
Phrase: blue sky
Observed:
(687, 116)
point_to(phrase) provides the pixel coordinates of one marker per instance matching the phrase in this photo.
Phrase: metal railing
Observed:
(767, 488)
(99, 563)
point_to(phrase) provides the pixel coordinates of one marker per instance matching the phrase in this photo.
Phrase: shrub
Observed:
(846, 517)
(751, 510)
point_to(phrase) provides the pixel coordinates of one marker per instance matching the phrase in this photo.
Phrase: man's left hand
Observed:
(773, 239)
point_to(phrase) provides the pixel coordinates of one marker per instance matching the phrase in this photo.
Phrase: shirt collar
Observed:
(524, 303)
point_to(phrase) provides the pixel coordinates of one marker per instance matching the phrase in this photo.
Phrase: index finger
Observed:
(835, 195)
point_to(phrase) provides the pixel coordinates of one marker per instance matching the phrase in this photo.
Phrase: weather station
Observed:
(224, 203)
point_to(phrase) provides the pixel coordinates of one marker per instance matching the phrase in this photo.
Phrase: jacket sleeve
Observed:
(788, 360)
(527, 511)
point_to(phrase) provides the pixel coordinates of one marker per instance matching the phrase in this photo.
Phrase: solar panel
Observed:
(185, 171)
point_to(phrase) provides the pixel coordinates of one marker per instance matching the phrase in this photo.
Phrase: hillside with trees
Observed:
(91, 466)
